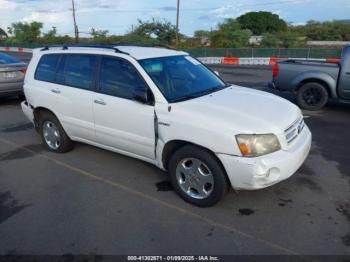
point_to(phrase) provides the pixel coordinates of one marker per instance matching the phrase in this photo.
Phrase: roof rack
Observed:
(66, 47)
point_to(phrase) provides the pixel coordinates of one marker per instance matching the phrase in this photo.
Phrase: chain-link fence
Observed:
(265, 52)
(241, 52)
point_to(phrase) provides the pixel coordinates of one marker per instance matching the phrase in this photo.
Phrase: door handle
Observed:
(56, 91)
(347, 73)
(100, 102)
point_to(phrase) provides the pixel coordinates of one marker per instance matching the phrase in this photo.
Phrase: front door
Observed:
(121, 122)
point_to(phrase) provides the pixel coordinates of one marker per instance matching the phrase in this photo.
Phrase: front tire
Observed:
(197, 176)
(312, 96)
(53, 135)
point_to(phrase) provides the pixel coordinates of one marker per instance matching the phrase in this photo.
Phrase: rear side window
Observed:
(77, 71)
(47, 67)
(119, 78)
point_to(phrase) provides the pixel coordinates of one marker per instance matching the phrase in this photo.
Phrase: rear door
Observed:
(121, 122)
(75, 86)
(344, 78)
(42, 90)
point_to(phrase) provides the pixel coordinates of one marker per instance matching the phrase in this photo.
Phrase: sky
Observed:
(117, 16)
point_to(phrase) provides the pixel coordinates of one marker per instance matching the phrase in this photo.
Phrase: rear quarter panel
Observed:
(292, 74)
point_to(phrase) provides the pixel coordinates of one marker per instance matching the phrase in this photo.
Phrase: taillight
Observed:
(275, 70)
(24, 70)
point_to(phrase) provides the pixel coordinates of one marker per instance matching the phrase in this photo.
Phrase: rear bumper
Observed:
(260, 172)
(11, 88)
(28, 111)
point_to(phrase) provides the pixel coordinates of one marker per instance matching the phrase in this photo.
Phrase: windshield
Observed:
(181, 77)
(6, 59)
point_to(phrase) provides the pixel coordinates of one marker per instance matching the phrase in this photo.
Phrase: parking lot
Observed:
(91, 201)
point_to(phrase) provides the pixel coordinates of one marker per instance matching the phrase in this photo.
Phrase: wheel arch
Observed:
(172, 146)
(323, 82)
(38, 111)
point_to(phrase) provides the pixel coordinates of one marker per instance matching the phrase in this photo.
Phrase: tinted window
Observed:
(77, 71)
(6, 59)
(119, 78)
(46, 68)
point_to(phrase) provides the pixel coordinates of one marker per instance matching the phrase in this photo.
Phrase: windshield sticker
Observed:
(192, 60)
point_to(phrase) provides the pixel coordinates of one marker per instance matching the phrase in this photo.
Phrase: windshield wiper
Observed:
(183, 98)
(200, 93)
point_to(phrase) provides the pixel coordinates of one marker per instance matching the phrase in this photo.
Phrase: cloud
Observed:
(226, 11)
(118, 15)
(168, 8)
(49, 17)
(7, 6)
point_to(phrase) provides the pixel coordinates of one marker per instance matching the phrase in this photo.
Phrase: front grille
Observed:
(293, 131)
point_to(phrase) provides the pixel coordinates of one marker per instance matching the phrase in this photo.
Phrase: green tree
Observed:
(99, 36)
(201, 33)
(51, 36)
(262, 22)
(230, 34)
(154, 31)
(330, 30)
(26, 32)
(270, 40)
(290, 39)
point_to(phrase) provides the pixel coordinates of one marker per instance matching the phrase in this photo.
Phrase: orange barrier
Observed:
(273, 60)
(231, 61)
(333, 60)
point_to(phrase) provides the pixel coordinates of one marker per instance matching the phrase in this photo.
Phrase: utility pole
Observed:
(177, 23)
(76, 31)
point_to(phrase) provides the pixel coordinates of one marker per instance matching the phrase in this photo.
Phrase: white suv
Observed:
(165, 107)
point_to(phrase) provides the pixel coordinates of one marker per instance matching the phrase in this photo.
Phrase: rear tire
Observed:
(312, 96)
(197, 176)
(52, 134)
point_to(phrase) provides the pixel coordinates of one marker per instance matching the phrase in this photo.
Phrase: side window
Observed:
(46, 68)
(77, 71)
(119, 78)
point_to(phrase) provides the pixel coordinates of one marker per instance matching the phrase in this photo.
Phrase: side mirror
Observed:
(141, 94)
(216, 73)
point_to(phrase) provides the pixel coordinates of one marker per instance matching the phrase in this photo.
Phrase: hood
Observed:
(240, 109)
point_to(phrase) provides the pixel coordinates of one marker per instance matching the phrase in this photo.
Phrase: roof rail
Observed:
(66, 47)
(143, 45)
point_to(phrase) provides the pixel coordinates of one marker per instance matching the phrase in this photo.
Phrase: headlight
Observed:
(257, 145)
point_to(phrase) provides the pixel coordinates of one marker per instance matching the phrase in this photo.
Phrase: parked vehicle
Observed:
(12, 73)
(164, 107)
(314, 82)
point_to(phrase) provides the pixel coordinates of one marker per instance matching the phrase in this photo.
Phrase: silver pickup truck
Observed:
(314, 82)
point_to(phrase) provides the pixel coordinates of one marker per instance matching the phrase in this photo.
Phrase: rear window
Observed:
(77, 71)
(7, 59)
(47, 67)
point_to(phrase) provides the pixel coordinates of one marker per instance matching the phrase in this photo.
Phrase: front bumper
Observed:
(260, 172)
